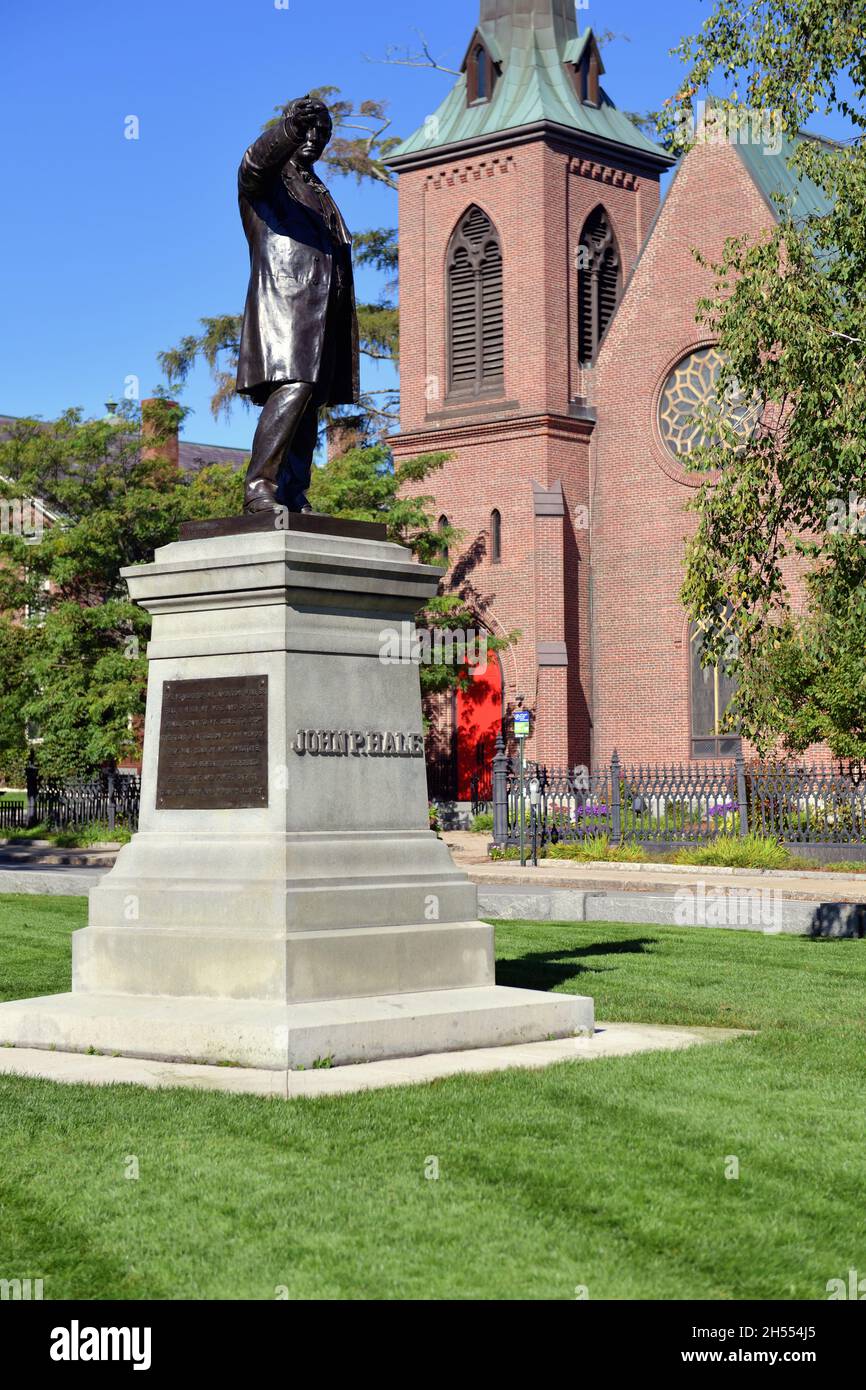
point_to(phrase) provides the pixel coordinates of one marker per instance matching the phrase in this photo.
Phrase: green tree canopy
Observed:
(789, 312)
(72, 637)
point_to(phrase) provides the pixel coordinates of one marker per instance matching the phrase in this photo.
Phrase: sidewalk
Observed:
(470, 853)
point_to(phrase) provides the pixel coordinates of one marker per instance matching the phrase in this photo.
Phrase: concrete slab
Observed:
(608, 1040)
(278, 1036)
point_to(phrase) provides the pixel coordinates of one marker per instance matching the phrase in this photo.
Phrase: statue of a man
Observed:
(299, 343)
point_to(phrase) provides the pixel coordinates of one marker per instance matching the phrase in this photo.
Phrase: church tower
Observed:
(524, 201)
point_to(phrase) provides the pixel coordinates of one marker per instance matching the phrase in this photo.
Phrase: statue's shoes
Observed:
(261, 502)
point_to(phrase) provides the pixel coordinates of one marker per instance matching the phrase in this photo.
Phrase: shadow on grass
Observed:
(547, 969)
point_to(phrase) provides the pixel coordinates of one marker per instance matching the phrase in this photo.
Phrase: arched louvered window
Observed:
(476, 334)
(599, 282)
(495, 537)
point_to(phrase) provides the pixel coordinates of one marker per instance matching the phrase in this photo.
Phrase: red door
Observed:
(479, 721)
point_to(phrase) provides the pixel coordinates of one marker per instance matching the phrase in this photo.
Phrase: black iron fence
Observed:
(73, 803)
(678, 805)
(13, 815)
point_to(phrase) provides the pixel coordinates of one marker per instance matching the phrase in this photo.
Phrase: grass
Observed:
(87, 835)
(608, 1174)
(596, 849)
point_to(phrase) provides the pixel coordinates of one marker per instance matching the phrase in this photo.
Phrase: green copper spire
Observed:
(536, 51)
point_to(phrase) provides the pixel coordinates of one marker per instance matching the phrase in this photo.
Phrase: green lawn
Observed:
(608, 1174)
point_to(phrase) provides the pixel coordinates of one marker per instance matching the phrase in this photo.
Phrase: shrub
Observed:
(482, 823)
(737, 852)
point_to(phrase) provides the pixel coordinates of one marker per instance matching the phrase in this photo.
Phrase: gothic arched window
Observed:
(480, 58)
(598, 282)
(481, 71)
(442, 526)
(476, 330)
(495, 537)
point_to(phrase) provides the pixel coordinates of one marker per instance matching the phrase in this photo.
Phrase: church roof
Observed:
(771, 172)
(535, 45)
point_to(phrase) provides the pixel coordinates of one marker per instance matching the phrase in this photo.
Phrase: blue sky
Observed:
(111, 248)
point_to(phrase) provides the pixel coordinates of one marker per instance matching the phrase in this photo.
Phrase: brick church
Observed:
(549, 344)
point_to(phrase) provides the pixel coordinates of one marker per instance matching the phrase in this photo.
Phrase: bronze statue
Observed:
(299, 343)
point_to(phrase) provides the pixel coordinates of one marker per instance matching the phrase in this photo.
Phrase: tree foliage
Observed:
(73, 641)
(789, 311)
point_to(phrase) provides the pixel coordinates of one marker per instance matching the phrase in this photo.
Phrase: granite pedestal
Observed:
(284, 898)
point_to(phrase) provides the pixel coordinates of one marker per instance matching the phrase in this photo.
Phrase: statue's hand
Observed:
(304, 112)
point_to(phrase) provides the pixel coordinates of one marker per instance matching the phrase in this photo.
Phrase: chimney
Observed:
(344, 433)
(160, 419)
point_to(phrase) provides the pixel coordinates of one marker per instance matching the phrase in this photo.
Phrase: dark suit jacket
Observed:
(294, 256)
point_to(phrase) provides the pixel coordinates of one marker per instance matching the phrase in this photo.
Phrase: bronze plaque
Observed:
(213, 744)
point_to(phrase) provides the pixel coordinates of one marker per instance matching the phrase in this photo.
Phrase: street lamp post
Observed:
(534, 793)
(521, 733)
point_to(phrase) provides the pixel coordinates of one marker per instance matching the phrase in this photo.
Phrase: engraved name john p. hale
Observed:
(358, 743)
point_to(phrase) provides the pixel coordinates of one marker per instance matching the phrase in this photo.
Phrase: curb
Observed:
(780, 917)
(614, 866)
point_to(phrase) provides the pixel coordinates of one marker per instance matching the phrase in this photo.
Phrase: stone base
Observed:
(281, 1037)
(284, 899)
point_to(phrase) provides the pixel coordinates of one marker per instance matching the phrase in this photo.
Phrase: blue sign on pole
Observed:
(521, 723)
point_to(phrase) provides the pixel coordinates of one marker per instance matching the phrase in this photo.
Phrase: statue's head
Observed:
(317, 137)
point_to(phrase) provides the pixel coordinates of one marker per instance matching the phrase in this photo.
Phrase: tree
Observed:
(789, 312)
(13, 696)
(68, 629)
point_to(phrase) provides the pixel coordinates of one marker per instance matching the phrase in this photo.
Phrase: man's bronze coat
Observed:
(293, 259)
